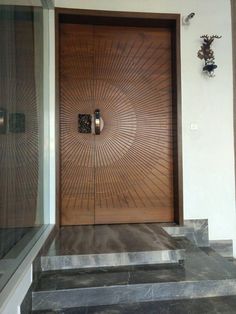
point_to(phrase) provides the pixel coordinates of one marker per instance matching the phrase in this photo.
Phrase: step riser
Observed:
(111, 259)
(130, 294)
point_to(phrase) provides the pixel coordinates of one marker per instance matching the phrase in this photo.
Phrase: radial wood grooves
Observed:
(125, 174)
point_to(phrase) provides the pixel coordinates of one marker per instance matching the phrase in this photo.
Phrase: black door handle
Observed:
(97, 121)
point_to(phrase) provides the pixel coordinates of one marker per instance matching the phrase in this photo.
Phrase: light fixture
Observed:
(186, 19)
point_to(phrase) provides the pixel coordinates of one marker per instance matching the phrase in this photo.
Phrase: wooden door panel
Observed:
(76, 149)
(125, 174)
(134, 171)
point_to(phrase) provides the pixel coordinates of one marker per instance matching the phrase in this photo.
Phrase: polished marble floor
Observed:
(111, 245)
(204, 273)
(202, 282)
(199, 264)
(111, 239)
(9, 237)
(219, 305)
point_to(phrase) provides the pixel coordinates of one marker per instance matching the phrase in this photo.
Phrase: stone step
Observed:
(111, 259)
(202, 275)
(215, 305)
(111, 245)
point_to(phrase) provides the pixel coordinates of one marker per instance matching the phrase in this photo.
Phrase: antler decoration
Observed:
(207, 53)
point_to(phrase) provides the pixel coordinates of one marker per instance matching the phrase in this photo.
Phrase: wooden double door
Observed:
(124, 174)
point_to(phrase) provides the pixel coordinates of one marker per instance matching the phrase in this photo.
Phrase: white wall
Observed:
(208, 155)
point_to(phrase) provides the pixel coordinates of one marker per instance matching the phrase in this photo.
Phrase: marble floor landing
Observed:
(111, 239)
(111, 245)
(130, 269)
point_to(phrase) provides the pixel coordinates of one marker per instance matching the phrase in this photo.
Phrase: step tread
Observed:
(214, 305)
(67, 279)
(198, 266)
(203, 274)
(102, 239)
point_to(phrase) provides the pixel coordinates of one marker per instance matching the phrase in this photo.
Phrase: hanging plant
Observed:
(207, 54)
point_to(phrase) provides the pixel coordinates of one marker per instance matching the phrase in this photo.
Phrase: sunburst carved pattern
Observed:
(125, 174)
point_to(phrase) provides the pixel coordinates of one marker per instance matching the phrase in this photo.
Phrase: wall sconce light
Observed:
(207, 54)
(186, 19)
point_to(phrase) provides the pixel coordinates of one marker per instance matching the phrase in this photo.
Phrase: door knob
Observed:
(3, 121)
(86, 123)
(97, 121)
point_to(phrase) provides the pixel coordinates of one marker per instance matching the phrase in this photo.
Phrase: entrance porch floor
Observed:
(111, 245)
(111, 239)
(131, 283)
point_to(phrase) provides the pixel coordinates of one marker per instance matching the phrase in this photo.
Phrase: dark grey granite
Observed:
(16, 250)
(101, 239)
(111, 245)
(68, 279)
(232, 260)
(195, 230)
(217, 305)
(222, 247)
(200, 227)
(26, 305)
(37, 269)
(131, 294)
(111, 259)
(203, 274)
(9, 237)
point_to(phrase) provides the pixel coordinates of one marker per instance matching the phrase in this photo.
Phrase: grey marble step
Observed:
(111, 259)
(111, 245)
(195, 230)
(121, 294)
(218, 305)
(201, 275)
(223, 247)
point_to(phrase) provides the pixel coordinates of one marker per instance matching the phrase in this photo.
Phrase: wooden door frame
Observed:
(134, 19)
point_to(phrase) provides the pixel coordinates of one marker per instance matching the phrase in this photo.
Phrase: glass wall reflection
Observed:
(21, 126)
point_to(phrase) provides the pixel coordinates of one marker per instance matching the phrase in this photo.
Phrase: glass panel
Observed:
(22, 2)
(21, 130)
